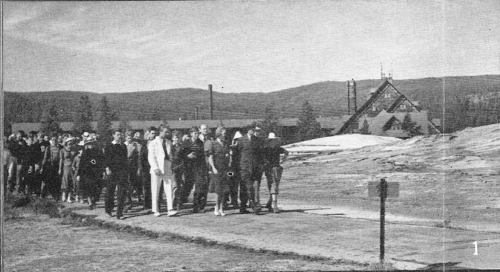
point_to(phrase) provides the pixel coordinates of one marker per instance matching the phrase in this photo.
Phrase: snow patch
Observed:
(340, 142)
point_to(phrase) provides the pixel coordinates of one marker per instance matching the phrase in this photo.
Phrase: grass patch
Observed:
(17, 205)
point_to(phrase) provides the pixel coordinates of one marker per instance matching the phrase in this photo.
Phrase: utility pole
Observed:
(195, 113)
(211, 102)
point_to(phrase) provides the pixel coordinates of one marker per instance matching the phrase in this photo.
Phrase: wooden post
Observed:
(196, 116)
(383, 196)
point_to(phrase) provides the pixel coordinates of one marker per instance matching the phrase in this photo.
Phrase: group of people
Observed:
(139, 166)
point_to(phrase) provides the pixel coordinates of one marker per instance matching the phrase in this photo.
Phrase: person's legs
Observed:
(189, 180)
(169, 185)
(177, 187)
(20, 177)
(269, 179)
(246, 177)
(277, 172)
(146, 185)
(109, 198)
(155, 191)
(121, 193)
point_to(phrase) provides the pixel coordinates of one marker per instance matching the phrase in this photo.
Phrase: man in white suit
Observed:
(159, 154)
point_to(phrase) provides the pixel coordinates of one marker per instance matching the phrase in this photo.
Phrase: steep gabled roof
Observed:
(378, 91)
(396, 103)
(376, 94)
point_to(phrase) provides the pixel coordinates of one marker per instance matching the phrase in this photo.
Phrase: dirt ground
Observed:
(40, 243)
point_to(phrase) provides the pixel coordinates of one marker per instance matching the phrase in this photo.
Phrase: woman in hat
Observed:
(66, 156)
(218, 159)
(90, 172)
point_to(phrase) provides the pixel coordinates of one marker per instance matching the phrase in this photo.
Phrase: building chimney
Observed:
(348, 98)
(354, 95)
(211, 102)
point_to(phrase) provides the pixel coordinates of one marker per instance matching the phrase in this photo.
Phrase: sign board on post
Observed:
(374, 189)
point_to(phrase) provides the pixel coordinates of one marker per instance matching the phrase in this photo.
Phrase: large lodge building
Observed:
(383, 112)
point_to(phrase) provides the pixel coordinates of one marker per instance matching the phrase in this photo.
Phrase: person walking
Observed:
(179, 152)
(51, 182)
(75, 166)
(248, 148)
(90, 172)
(159, 158)
(115, 165)
(273, 169)
(66, 157)
(196, 171)
(218, 152)
(235, 182)
(134, 168)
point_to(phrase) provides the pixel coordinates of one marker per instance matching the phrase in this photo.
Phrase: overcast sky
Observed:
(242, 46)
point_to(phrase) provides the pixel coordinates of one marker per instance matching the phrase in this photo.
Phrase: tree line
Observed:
(308, 126)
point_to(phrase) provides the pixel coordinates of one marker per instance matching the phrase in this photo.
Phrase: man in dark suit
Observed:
(196, 171)
(248, 147)
(115, 164)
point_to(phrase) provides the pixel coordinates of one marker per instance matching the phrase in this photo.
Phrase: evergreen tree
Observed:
(156, 114)
(308, 127)
(365, 128)
(410, 126)
(124, 122)
(104, 120)
(82, 118)
(271, 121)
(48, 120)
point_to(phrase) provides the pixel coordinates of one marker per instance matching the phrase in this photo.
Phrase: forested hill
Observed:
(328, 98)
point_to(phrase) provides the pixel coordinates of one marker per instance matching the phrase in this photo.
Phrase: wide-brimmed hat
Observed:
(271, 135)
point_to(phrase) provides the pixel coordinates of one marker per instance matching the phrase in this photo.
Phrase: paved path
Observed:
(342, 234)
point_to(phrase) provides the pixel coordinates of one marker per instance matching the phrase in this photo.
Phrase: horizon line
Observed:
(259, 92)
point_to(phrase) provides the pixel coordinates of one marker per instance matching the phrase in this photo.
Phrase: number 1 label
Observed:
(475, 248)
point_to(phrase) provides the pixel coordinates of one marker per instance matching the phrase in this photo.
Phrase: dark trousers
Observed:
(188, 184)
(200, 187)
(234, 183)
(146, 188)
(21, 170)
(250, 177)
(90, 188)
(133, 184)
(180, 187)
(116, 182)
(51, 183)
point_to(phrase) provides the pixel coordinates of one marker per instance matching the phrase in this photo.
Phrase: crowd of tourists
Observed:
(133, 169)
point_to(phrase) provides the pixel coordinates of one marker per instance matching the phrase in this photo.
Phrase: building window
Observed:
(387, 95)
(403, 107)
